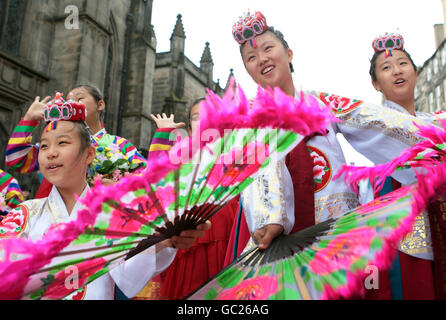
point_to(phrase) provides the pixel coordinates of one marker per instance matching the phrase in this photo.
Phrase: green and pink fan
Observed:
(331, 259)
(238, 140)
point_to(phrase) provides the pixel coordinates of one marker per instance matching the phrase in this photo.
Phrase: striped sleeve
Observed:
(10, 188)
(130, 151)
(162, 141)
(21, 154)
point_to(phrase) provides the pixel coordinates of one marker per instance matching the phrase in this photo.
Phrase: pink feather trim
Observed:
(271, 108)
(434, 136)
(430, 184)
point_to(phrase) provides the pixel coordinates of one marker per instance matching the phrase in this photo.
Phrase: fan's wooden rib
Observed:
(62, 280)
(66, 264)
(66, 253)
(113, 233)
(235, 187)
(300, 282)
(245, 273)
(225, 142)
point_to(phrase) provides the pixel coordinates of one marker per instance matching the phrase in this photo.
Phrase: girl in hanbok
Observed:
(394, 74)
(378, 133)
(21, 154)
(64, 155)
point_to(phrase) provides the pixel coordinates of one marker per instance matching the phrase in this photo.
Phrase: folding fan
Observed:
(428, 153)
(330, 259)
(238, 141)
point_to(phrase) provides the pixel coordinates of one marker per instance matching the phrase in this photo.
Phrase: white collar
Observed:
(99, 132)
(395, 106)
(57, 204)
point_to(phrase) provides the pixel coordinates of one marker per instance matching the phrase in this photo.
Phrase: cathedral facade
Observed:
(49, 45)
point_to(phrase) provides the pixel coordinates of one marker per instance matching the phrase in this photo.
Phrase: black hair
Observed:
(84, 134)
(95, 93)
(372, 70)
(279, 35)
(195, 102)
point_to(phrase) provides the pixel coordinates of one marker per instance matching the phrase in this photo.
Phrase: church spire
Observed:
(206, 57)
(178, 31)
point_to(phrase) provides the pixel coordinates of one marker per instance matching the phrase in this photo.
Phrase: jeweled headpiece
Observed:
(60, 109)
(248, 27)
(388, 42)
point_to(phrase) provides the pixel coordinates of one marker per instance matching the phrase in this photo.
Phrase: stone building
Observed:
(430, 91)
(48, 45)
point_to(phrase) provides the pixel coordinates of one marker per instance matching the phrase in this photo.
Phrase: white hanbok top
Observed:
(130, 276)
(378, 132)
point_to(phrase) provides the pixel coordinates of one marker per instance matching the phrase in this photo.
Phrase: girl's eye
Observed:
(268, 48)
(386, 68)
(43, 146)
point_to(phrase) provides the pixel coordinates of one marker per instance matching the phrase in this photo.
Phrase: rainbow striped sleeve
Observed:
(11, 190)
(130, 151)
(162, 141)
(21, 154)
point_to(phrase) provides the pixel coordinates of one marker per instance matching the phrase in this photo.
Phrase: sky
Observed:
(331, 39)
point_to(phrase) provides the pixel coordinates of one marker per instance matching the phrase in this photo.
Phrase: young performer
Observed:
(21, 154)
(378, 133)
(394, 74)
(64, 155)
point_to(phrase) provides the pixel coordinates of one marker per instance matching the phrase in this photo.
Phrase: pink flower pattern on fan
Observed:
(146, 210)
(259, 288)
(383, 201)
(59, 288)
(343, 251)
(224, 175)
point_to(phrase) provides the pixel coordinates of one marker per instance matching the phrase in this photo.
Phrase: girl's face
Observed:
(195, 118)
(268, 63)
(395, 76)
(61, 160)
(94, 108)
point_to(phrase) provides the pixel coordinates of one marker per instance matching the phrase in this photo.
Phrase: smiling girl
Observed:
(64, 155)
(378, 133)
(394, 74)
(21, 154)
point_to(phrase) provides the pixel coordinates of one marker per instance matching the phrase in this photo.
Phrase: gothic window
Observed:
(438, 98)
(444, 89)
(435, 68)
(12, 13)
(428, 72)
(431, 102)
(443, 55)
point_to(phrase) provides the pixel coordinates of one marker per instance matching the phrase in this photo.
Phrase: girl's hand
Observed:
(187, 238)
(35, 111)
(165, 122)
(264, 236)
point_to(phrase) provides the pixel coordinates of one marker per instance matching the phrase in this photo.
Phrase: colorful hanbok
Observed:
(10, 193)
(21, 154)
(32, 218)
